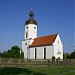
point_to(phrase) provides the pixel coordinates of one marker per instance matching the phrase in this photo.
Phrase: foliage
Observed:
(33, 70)
(69, 56)
(13, 53)
(72, 56)
(66, 55)
(22, 54)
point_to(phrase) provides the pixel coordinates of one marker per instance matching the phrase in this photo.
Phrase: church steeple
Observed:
(31, 14)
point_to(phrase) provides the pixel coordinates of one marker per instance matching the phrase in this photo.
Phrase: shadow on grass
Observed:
(17, 71)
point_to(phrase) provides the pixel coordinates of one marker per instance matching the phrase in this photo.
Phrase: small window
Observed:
(25, 43)
(26, 35)
(27, 27)
(44, 53)
(58, 42)
(34, 27)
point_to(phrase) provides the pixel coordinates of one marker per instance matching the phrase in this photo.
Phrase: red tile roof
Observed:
(43, 41)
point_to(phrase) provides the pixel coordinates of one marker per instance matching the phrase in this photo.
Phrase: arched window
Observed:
(44, 53)
(35, 53)
(26, 35)
(34, 27)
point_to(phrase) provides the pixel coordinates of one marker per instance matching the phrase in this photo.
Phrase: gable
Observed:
(58, 41)
(44, 41)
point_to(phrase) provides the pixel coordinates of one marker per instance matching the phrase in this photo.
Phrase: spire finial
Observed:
(31, 14)
(31, 9)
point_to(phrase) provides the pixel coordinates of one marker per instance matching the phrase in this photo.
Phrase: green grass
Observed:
(38, 71)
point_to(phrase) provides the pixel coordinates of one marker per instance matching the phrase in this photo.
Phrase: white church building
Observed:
(44, 47)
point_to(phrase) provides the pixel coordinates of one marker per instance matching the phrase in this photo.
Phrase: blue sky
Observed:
(53, 16)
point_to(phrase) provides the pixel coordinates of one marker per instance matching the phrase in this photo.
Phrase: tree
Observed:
(21, 54)
(13, 53)
(66, 56)
(72, 56)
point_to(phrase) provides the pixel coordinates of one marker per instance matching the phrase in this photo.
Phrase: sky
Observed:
(52, 16)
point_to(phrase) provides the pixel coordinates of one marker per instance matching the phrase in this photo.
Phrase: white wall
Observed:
(25, 47)
(32, 33)
(50, 52)
(58, 47)
(32, 53)
(40, 52)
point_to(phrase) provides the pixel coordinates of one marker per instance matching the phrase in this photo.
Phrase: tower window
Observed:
(27, 27)
(34, 27)
(25, 43)
(26, 35)
(44, 53)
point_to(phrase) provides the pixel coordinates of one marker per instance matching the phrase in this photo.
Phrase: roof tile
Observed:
(44, 41)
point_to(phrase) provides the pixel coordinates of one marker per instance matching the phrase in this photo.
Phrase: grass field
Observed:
(38, 71)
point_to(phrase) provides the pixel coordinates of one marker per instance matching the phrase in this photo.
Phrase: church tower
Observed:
(31, 27)
(30, 34)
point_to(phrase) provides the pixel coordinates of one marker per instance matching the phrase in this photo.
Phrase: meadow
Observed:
(37, 70)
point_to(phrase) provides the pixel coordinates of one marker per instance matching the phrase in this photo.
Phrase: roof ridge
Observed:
(46, 36)
(44, 40)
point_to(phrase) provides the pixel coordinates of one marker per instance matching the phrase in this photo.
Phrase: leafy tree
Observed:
(13, 53)
(22, 54)
(66, 56)
(72, 56)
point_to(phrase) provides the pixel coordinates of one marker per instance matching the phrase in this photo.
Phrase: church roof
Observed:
(44, 41)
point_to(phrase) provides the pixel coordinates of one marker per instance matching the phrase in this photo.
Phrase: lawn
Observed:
(38, 71)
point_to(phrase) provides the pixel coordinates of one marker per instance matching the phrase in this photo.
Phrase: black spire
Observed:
(31, 14)
(31, 19)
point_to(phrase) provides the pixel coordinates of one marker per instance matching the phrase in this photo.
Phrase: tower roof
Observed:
(31, 19)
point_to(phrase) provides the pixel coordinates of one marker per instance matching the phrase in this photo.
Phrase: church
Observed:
(44, 47)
